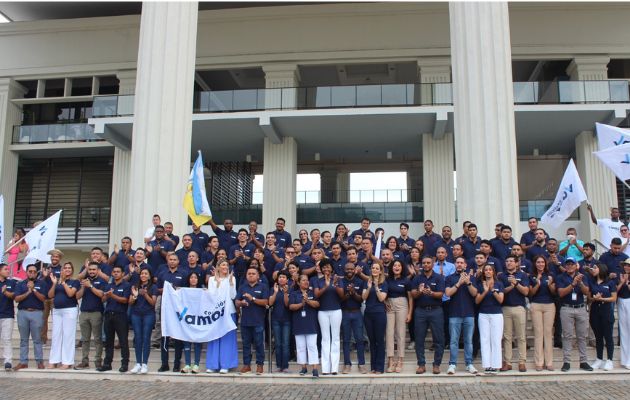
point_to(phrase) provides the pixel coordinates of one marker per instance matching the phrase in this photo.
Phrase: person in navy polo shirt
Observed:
(272, 255)
(91, 317)
(7, 289)
(603, 294)
(193, 265)
(528, 238)
(470, 243)
(240, 254)
(63, 292)
(405, 242)
(307, 266)
(115, 321)
(304, 305)
(337, 259)
(542, 293)
(554, 258)
(502, 246)
(182, 253)
(327, 243)
(486, 248)
(227, 236)
(392, 244)
(613, 258)
(350, 290)
(176, 276)
(314, 243)
(572, 286)
(142, 302)
(168, 234)
(252, 298)
(329, 316)
(489, 298)
(399, 307)
(158, 249)
(523, 263)
(430, 238)
(460, 287)
(281, 320)
(283, 238)
(365, 228)
(538, 246)
(375, 318)
(623, 298)
(588, 251)
(123, 255)
(428, 289)
(104, 269)
(447, 242)
(516, 289)
(30, 295)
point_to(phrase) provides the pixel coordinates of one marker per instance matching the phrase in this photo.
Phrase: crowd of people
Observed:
(325, 296)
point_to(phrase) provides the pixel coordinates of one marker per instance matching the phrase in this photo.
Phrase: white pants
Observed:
(624, 330)
(6, 331)
(330, 325)
(490, 335)
(64, 330)
(306, 349)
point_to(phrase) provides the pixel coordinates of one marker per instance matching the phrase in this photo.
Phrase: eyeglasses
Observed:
(290, 252)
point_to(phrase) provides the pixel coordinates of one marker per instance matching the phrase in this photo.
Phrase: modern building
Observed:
(104, 106)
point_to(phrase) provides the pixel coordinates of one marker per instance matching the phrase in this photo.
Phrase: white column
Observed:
(10, 115)
(588, 68)
(437, 180)
(343, 187)
(435, 74)
(279, 183)
(279, 76)
(593, 70)
(160, 155)
(600, 184)
(485, 143)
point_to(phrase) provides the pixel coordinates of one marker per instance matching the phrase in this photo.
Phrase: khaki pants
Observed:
(91, 324)
(156, 336)
(575, 325)
(514, 320)
(48, 306)
(543, 316)
(396, 325)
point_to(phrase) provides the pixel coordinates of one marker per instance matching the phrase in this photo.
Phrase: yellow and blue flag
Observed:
(195, 200)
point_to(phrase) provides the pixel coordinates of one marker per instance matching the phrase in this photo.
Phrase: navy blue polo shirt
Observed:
(61, 298)
(613, 262)
(241, 264)
(307, 246)
(142, 306)
(409, 242)
(399, 255)
(543, 295)
(174, 238)
(328, 300)
(555, 268)
(31, 301)
(176, 278)
(430, 243)
(122, 257)
(372, 304)
(327, 250)
(283, 239)
(253, 315)
(606, 289)
(398, 288)
(199, 270)
(91, 302)
(449, 249)
(123, 289)
(536, 250)
(6, 304)
(362, 233)
(470, 248)
(103, 267)
(339, 266)
(280, 312)
(564, 280)
(304, 320)
(351, 303)
(501, 249)
(304, 262)
(586, 263)
(155, 258)
(495, 262)
(526, 266)
(529, 237)
(490, 305)
(135, 277)
(227, 239)
(182, 255)
(435, 282)
(54, 269)
(200, 240)
(462, 303)
(270, 262)
(514, 298)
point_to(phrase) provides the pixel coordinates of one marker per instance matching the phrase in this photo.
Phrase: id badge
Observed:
(573, 296)
(303, 313)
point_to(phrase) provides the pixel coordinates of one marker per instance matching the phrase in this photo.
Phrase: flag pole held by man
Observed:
(195, 200)
(569, 197)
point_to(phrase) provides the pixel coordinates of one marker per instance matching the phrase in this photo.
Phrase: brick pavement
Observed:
(34, 389)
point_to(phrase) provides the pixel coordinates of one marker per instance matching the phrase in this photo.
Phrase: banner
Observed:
(41, 240)
(570, 195)
(611, 136)
(195, 200)
(194, 315)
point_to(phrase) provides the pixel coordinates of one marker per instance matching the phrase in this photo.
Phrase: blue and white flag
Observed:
(611, 136)
(196, 315)
(617, 159)
(195, 200)
(570, 195)
(41, 240)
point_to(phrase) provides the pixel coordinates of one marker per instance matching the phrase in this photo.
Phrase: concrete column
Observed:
(434, 75)
(284, 79)
(160, 155)
(10, 115)
(600, 184)
(485, 142)
(437, 177)
(594, 70)
(328, 185)
(588, 68)
(279, 183)
(414, 182)
(343, 187)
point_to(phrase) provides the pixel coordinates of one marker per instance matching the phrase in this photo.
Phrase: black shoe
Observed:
(164, 368)
(155, 345)
(565, 367)
(557, 345)
(584, 366)
(104, 368)
(176, 368)
(8, 367)
(303, 372)
(315, 373)
(123, 368)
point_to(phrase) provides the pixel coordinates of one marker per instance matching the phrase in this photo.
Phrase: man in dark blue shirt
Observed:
(124, 255)
(227, 236)
(471, 242)
(448, 243)
(528, 238)
(365, 228)
(252, 298)
(430, 238)
(169, 235)
(502, 246)
(538, 246)
(176, 276)
(349, 292)
(182, 254)
(405, 242)
(240, 254)
(7, 293)
(613, 258)
(158, 249)
(91, 317)
(283, 238)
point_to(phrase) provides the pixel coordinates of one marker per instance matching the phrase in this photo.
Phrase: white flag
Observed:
(611, 136)
(2, 227)
(379, 241)
(41, 240)
(195, 315)
(617, 159)
(570, 195)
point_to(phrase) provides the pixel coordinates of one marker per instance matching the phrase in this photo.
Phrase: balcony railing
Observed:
(54, 133)
(113, 106)
(571, 92)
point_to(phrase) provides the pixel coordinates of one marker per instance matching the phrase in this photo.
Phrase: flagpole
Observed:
(14, 244)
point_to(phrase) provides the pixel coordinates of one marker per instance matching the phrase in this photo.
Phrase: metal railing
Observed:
(54, 133)
(113, 106)
(572, 92)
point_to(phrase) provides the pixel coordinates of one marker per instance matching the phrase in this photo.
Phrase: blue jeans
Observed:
(30, 324)
(375, 324)
(253, 334)
(435, 319)
(187, 349)
(352, 325)
(282, 335)
(142, 328)
(455, 328)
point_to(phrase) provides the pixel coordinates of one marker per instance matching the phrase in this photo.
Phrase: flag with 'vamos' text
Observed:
(570, 195)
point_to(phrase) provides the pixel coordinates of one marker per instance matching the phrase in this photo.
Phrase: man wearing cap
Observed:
(55, 268)
(572, 287)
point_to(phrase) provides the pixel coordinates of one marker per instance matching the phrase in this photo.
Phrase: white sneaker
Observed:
(223, 371)
(136, 369)
(195, 369)
(144, 369)
(451, 369)
(608, 365)
(411, 346)
(598, 364)
(626, 366)
(211, 371)
(471, 368)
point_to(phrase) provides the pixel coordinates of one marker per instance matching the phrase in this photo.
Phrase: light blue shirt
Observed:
(573, 251)
(447, 269)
